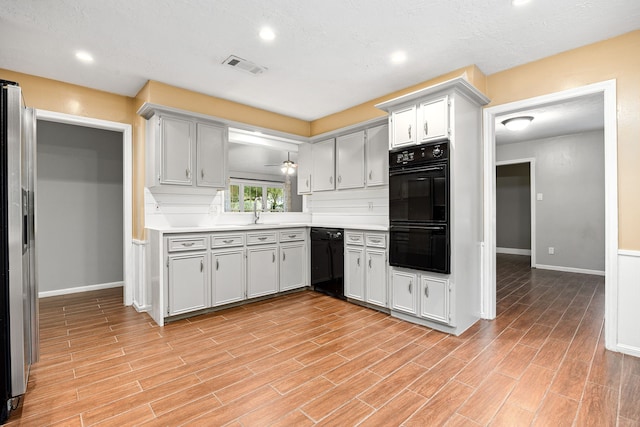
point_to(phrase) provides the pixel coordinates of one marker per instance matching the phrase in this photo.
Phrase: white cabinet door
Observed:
(350, 160)
(210, 169)
(227, 276)
(376, 277)
(323, 166)
(354, 272)
(434, 119)
(292, 266)
(377, 155)
(403, 123)
(305, 166)
(188, 285)
(262, 271)
(434, 299)
(176, 149)
(404, 289)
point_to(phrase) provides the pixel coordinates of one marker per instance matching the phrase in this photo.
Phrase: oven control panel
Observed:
(419, 154)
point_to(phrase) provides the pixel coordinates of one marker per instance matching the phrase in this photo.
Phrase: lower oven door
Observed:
(420, 247)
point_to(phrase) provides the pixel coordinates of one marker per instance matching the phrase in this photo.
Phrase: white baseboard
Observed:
(627, 252)
(569, 269)
(513, 251)
(80, 289)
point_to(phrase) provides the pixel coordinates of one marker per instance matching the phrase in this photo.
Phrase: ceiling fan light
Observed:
(517, 123)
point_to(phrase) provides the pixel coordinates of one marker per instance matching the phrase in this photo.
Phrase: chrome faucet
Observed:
(256, 213)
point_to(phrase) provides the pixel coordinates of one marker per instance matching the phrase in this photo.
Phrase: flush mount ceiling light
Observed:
(517, 123)
(267, 34)
(83, 56)
(398, 57)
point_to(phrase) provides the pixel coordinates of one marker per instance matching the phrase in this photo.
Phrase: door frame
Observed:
(532, 195)
(488, 288)
(127, 183)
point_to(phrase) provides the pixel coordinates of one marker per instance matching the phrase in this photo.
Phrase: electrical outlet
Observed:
(539, 196)
(552, 250)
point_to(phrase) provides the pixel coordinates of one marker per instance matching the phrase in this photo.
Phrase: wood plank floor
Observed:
(306, 359)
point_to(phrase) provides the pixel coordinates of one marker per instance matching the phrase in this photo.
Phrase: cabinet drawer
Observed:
(352, 238)
(376, 240)
(187, 243)
(292, 235)
(260, 238)
(227, 240)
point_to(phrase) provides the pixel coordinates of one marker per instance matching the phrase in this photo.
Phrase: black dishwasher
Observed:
(327, 261)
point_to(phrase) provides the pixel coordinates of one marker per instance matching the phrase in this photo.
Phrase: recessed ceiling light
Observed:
(267, 34)
(84, 57)
(519, 2)
(398, 57)
(517, 123)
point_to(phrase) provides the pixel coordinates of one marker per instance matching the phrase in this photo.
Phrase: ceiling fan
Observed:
(287, 167)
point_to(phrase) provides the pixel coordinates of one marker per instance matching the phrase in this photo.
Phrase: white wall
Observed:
(513, 206)
(570, 218)
(79, 207)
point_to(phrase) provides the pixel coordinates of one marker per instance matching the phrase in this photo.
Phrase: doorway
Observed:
(608, 92)
(127, 212)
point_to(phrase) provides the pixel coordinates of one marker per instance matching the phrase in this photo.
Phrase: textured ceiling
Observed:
(582, 114)
(328, 55)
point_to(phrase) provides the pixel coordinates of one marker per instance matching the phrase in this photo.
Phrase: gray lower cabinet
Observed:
(187, 282)
(293, 259)
(404, 289)
(191, 272)
(262, 270)
(227, 276)
(365, 267)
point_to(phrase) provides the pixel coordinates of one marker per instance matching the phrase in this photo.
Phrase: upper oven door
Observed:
(419, 195)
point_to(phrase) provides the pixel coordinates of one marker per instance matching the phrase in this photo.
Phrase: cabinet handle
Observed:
(187, 244)
(293, 236)
(273, 257)
(187, 172)
(375, 240)
(262, 238)
(201, 265)
(426, 128)
(330, 180)
(227, 241)
(370, 175)
(284, 256)
(358, 262)
(217, 265)
(307, 183)
(339, 179)
(410, 283)
(409, 131)
(369, 262)
(426, 291)
(201, 173)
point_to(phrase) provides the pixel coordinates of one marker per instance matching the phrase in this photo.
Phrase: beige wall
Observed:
(616, 58)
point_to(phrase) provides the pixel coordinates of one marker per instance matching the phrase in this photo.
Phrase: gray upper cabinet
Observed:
(175, 151)
(403, 129)
(305, 168)
(323, 166)
(350, 161)
(377, 155)
(185, 153)
(210, 157)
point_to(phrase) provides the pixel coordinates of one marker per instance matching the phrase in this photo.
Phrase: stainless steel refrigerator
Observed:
(18, 282)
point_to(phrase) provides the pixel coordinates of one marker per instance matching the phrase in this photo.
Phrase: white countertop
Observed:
(260, 226)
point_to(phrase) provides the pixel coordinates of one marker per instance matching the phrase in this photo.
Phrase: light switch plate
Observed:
(539, 196)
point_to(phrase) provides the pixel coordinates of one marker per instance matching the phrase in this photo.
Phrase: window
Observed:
(244, 193)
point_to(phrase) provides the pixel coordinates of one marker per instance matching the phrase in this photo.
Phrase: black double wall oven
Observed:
(419, 229)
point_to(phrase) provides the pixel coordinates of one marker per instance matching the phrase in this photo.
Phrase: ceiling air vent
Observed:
(244, 65)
